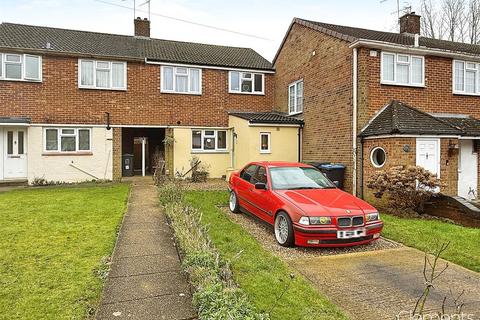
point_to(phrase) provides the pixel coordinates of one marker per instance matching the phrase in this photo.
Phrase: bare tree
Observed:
(473, 19)
(429, 22)
(454, 19)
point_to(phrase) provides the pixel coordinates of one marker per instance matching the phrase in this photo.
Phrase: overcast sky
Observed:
(267, 19)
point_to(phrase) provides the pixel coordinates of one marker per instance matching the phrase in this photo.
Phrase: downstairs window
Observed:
(67, 140)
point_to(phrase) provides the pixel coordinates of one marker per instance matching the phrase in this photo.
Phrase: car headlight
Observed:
(373, 216)
(315, 220)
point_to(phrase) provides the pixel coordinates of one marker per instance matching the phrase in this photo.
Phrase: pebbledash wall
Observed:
(325, 65)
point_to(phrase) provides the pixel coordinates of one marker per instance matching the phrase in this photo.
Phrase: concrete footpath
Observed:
(145, 281)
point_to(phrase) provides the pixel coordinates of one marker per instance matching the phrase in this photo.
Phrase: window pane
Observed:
(181, 70)
(21, 143)
(234, 81)
(32, 67)
(264, 142)
(196, 139)
(51, 140)
(86, 72)
(194, 80)
(68, 131)
(118, 75)
(103, 78)
(222, 139)
(83, 139)
(13, 71)
(103, 65)
(168, 78)
(470, 81)
(403, 73)
(247, 75)
(388, 67)
(291, 99)
(9, 142)
(208, 143)
(258, 83)
(417, 70)
(402, 58)
(246, 85)
(1, 66)
(459, 73)
(13, 58)
(181, 83)
(68, 143)
(299, 96)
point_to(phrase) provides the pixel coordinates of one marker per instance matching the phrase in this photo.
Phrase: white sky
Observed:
(268, 19)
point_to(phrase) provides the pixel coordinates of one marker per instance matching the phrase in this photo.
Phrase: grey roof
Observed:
(400, 118)
(267, 117)
(470, 126)
(74, 42)
(15, 120)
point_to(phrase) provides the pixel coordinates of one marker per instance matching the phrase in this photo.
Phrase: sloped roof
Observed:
(74, 42)
(470, 126)
(267, 117)
(400, 118)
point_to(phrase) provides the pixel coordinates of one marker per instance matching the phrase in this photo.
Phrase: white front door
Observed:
(428, 155)
(14, 153)
(467, 170)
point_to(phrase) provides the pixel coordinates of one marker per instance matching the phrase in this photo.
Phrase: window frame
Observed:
(269, 139)
(294, 85)
(59, 140)
(174, 84)
(410, 69)
(240, 77)
(465, 68)
(94, 85)
(373, 162)
(215, 136)
(23, 77)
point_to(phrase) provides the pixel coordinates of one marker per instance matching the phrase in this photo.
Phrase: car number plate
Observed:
(349, 234)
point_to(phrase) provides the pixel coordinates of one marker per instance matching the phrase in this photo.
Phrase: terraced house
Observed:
(373, 99)
(73, 102)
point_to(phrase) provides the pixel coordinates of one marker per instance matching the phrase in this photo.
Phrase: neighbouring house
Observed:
(73, 102)
(372, 100)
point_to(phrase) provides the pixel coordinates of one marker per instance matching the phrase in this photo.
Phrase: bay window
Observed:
(295, 97)
(181, 80)
(402, 69)
(21, 67)
(466, 77)
(67, 140)
(109, 75)
(209, 140)
(246, 82)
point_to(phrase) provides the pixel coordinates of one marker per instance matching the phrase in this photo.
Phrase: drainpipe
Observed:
(300, 143)
(361, 169)
(354, 122)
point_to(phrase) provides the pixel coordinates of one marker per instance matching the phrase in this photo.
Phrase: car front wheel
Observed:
(284, 230)
(233, 202)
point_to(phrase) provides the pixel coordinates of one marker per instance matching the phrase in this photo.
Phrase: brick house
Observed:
(373, 99)
(73, 102)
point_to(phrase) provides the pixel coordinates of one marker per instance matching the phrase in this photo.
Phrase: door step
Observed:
(14, 183)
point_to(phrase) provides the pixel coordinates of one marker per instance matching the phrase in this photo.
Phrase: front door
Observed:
(467, 170)
(428, 155)
(14, 153)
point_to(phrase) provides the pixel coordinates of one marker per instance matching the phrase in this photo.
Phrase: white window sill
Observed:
(403, 84)
(250, 93)
(185, 93)
(295, 113)
(21, 80)
(466, 94)
(265, 152)
(105, 89)
(210, 151)
(75, 153)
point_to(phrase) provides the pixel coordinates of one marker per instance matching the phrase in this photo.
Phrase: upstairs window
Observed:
(466, 77)
(181, 80)
(246, 82)
(67, 140)
(209, 140)
(109, 75)
(402, 69)
(22, 67)
(295, 97)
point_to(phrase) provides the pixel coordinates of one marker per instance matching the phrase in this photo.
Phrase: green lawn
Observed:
(259, 273)
(423, 234)
(52, 241)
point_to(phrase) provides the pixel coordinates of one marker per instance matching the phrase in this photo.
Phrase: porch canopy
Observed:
(15, 121)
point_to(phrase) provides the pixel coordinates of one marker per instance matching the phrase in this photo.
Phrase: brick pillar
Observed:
(169, 153)
(117, 154)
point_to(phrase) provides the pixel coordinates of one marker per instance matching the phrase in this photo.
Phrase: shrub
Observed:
(407, 188)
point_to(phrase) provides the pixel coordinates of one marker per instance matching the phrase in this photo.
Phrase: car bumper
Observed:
(327, 237)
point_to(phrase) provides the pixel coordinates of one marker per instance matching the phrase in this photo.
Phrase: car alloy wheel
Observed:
(283, 230)
(233, 202)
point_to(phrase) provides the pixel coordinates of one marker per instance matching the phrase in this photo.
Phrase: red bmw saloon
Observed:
(304, 207)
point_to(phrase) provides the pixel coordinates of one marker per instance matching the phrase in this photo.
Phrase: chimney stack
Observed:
(142, 27)
(410, 23)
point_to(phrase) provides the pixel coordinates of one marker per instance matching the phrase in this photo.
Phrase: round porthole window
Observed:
(378, 157)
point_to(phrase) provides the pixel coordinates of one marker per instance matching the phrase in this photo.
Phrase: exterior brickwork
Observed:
(117, 154)
(59, 100)
(325, 65)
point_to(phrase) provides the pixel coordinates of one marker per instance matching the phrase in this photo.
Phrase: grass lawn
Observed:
(259, 273)
(423, 234)
(52, 241)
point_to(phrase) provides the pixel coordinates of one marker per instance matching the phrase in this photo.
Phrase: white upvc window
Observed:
(466, 77)
(107, 75)
(181, 80)
(67, 140)
(265, 142)
(209, 140)
(295, 97)
(246, 82)
(20, 67)
(402, 69)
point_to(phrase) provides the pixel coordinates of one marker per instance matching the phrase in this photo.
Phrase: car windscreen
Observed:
(291, 178)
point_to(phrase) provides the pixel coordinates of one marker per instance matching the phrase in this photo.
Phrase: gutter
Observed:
(203, 66)
(354, 120)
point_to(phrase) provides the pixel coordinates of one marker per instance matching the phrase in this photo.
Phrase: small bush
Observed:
(407, 188)
(172, 191)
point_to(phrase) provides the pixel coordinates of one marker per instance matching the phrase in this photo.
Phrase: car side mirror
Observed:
(260, 186)
(337, 184)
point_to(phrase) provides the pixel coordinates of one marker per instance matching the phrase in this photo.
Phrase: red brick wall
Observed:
(59, 100)
(327, 78)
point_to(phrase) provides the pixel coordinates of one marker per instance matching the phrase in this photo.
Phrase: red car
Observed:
(304, 207)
